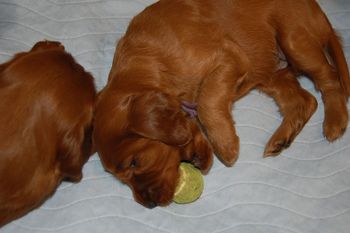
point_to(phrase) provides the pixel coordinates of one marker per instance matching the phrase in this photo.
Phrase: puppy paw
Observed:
(336, 117)
(203, 162)
(227, 152)
(335, 126)
(198, 152)
(286, 133)
(275, 147)
(282, 138)
(203, 155)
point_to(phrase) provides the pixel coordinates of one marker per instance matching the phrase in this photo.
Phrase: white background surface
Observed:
(306, 189)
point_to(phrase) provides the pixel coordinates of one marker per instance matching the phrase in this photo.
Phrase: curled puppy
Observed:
(212, 53)
(46, 111)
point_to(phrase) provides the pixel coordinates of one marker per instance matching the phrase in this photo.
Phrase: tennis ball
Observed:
(190, 185)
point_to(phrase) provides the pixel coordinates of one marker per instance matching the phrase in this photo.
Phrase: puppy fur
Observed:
(213, 53)
(46, 110)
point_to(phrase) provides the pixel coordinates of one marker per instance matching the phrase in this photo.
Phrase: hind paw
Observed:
(334, 128)
(275, 146)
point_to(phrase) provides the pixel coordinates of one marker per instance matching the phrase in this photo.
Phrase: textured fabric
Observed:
(304, 190)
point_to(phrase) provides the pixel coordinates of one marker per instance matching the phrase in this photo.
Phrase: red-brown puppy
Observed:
(46, 110)
(212, 52)
(142, 137)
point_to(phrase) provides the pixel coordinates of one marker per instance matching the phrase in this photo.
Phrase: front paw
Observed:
(203, 156)
(227, 150)
(198, 152)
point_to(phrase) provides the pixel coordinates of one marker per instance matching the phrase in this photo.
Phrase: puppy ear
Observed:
(75, 149)
(158, 116)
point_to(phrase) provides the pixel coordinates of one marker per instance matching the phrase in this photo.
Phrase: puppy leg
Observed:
(306, 54)
(296, 105)
(215, 100)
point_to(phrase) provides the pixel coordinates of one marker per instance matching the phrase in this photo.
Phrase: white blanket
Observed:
(304, 190)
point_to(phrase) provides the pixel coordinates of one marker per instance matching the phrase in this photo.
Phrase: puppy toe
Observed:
(334, 128)
(275, 147)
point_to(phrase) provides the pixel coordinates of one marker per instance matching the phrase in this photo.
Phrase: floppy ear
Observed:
(75, 149)
(158, 116)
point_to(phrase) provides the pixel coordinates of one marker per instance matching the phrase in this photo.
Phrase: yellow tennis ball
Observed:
(190, 185)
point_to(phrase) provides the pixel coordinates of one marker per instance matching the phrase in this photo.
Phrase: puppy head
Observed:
(148, 167)
(46, 45)
(146, 147)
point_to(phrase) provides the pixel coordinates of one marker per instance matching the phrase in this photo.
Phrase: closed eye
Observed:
(133, 163)
(127, 165)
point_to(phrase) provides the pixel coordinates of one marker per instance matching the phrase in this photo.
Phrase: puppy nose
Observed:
(151, 204)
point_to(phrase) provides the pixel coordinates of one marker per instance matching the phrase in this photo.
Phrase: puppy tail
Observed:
(338, 57)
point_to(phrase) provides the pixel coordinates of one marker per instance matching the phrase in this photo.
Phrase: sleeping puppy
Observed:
(142, 137)
(46, 110)
(211, 53)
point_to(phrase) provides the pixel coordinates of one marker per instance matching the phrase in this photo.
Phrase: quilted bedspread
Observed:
(304, 190)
